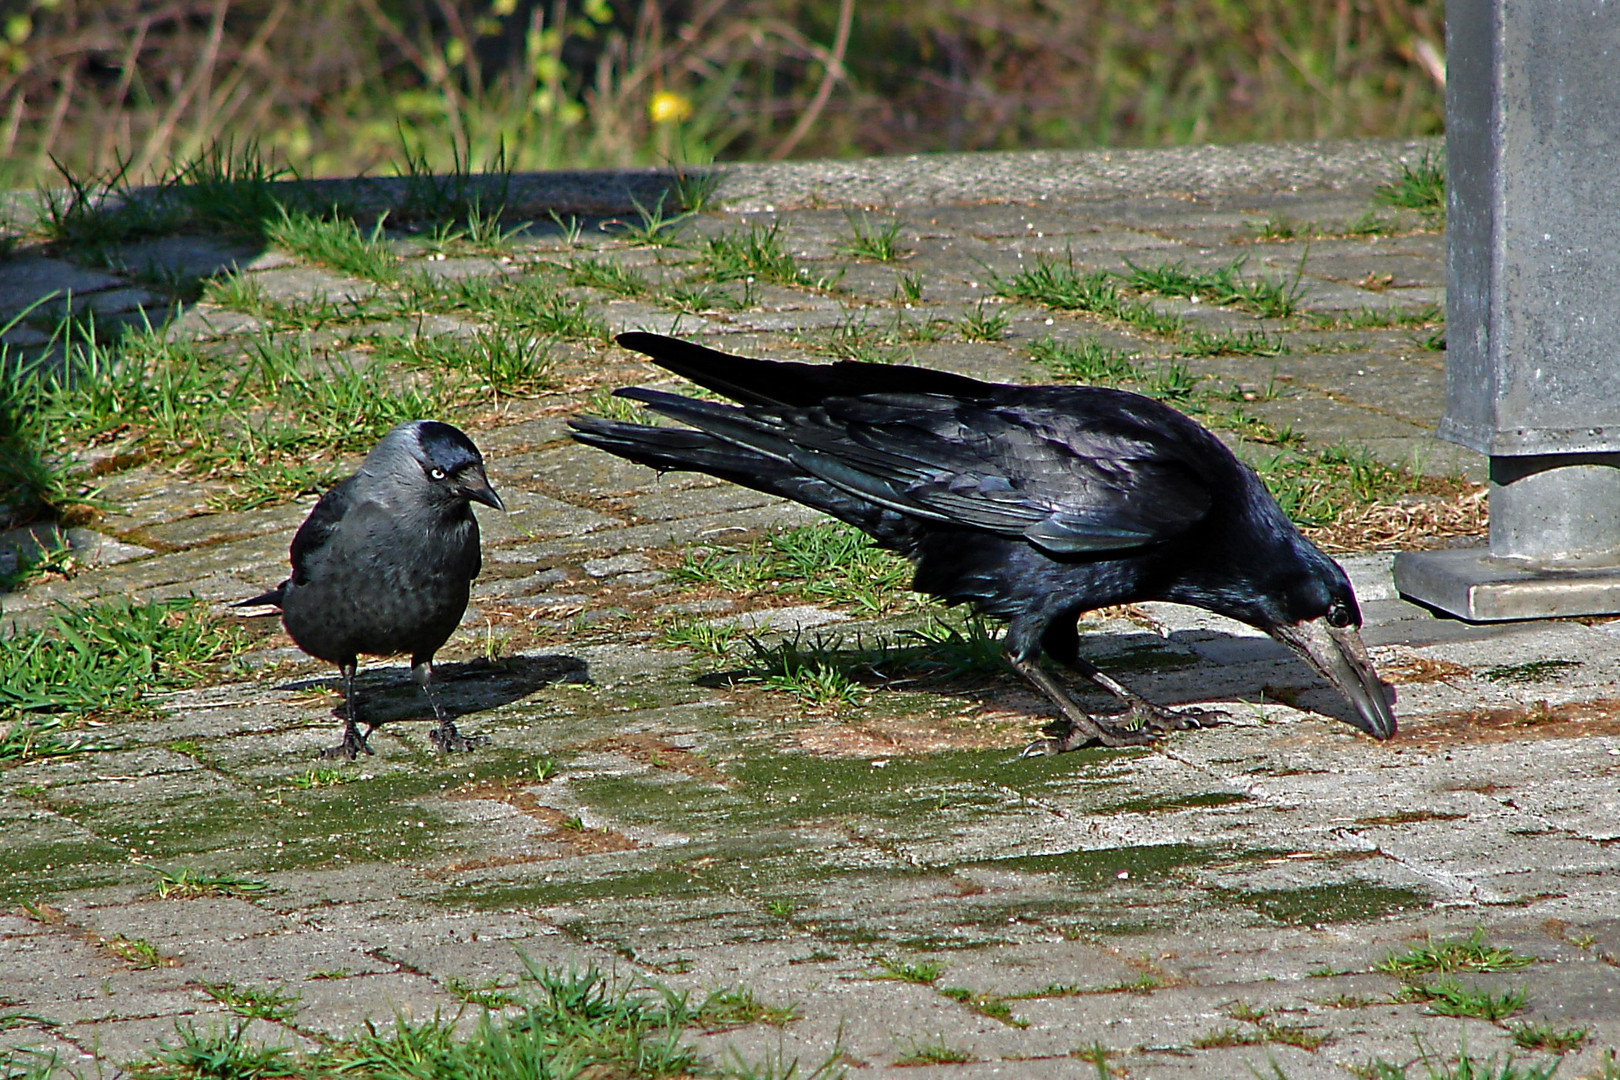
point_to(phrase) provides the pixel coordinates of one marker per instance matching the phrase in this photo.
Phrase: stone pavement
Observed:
(1212, 907)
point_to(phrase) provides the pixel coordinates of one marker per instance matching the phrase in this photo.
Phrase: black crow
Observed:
(383, 563)
(1034, 504)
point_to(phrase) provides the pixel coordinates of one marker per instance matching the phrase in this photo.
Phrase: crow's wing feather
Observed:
(1064, 482)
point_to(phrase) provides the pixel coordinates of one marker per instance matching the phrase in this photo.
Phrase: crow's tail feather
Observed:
(782, 382)
(670, 449)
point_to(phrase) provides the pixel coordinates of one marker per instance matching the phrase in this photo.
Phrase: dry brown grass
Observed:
(1407, 524)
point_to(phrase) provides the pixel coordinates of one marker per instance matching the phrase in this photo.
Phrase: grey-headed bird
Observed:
(384, 562)
(1033, 504)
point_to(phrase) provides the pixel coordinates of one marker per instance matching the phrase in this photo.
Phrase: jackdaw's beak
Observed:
(476, 487)
(1338, 656)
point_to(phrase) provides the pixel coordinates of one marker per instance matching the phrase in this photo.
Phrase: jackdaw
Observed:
(383, 564)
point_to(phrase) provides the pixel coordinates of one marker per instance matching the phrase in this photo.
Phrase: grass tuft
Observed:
(877, 243)
(1545, 1037)
(757, 255)
(1452, 955)
(1449, 997)
(934, 1052)
(1420, 187)
(336, 242)
(926, 972)
(185, 883)
(1058, 285)
(101, 659)
(221, 1053)
(254, 1002)
(1271, 298)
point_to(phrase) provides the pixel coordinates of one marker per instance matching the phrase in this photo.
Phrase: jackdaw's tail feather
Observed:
(265, 599)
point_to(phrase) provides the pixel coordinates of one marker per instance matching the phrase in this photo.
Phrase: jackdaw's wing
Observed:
(319, 529)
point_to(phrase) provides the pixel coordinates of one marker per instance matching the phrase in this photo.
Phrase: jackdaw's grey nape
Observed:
(383, 564)
(1034, 504)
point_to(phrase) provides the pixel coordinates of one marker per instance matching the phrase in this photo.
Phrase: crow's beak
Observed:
(477, 489)
(1339, 657)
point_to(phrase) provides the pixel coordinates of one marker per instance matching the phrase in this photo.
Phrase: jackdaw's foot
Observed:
(1063, 736)
(353, 745)
(448, 739)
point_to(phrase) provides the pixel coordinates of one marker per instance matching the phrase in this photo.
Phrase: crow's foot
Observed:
(1064, 736)
(1143, 715)
(448, 739)
(353, 745)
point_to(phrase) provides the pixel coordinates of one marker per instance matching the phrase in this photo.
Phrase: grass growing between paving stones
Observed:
(876, 243)
(827, 671)
(1462, 1067)
(994, 1006)
(1547, 1038)
(254, 1002)
(1420, 187)
(1452, 955)
(222, 189)
(270, 418)
(1271, 298)
(555, 1024)
(935, 1051)
(757, 254)
(185, 883)
(1449, 997)
(97, 662)
(825, 562)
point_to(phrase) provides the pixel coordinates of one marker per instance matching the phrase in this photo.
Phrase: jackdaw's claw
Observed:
(447, 739)
(353, 745)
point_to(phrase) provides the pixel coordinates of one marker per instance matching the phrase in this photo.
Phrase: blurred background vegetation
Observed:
(350, 86)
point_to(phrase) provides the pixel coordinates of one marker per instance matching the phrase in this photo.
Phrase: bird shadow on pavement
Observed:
(387, 693)
(1205, 668)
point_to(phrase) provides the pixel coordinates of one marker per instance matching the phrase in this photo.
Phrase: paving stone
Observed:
(641, 812)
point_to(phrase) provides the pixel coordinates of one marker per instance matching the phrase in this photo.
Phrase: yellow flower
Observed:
(668, 107)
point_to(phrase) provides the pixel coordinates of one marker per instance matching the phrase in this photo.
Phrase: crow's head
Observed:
(1314, 612)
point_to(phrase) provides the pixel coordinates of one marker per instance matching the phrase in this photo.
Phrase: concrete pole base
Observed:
(1554, 548)
(1472, 584)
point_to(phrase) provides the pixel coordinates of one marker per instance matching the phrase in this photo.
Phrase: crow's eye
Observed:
(439, 474)
(1338, 614)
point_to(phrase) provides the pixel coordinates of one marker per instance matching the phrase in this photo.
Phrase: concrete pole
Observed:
(1533, 306)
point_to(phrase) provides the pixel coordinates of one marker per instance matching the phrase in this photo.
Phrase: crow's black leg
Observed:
(1062, 641)
(1075, 727)
(354, 743)
(444, 736)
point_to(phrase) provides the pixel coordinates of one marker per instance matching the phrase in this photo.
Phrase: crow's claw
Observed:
(1065, 736)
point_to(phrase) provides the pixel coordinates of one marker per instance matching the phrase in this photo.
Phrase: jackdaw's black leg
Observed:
(444, 736)
(353, 744)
